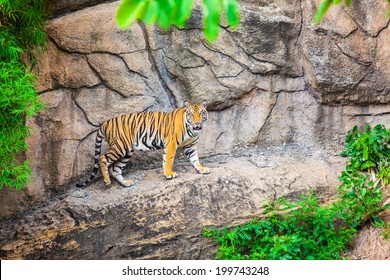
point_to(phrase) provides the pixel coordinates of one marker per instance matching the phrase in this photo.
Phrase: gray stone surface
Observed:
(344, 56)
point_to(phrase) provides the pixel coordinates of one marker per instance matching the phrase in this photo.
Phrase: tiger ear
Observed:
(204, 103)
(187, 104)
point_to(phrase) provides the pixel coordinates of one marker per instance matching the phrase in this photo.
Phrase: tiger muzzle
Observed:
(197, 126)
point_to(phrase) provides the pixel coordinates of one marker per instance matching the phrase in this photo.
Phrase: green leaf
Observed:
(378, 127)
(165, 13)
(232, 12)
(184, 11)
(211, 20)
(129, 11)
(365, 153)
(151, 12)
(322, 9)
(344, 153)
(336, 2)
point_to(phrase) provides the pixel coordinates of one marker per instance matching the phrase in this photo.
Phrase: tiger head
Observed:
(196, 114)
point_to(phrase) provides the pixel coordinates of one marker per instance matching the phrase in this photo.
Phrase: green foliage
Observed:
(368, 149)
(325, 5)
(176, 12)
(21, 34)
(307, 230)
(366, 174)
(21, 28)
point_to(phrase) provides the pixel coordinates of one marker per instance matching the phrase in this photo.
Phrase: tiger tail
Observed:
(98, 151)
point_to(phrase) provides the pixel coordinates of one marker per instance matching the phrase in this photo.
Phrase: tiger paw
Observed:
(107, 183)
(203, 170)
(127, 183)
(123, 181)
(170, 175)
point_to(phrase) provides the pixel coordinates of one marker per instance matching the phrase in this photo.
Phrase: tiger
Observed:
(147, 131)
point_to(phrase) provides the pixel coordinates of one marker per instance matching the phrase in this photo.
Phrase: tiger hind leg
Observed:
(111, 156)
(116, 170)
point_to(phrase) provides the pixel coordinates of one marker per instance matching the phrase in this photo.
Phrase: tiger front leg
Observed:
(168, 158)
(192, 154)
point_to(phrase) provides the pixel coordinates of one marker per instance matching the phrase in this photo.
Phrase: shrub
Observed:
(307, 230)
(21, 35)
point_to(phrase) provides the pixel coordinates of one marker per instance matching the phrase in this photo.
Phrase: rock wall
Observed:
(276, 82)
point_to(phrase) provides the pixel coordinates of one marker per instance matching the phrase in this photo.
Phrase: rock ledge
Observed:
(161, 219)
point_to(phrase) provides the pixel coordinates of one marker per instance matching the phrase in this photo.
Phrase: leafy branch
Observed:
(168, 13)
(176, 12)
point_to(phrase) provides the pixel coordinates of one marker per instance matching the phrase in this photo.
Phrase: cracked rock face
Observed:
(275, 81)
(346, 62)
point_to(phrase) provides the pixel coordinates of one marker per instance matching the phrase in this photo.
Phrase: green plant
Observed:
(307, 230)
(21, 28)
(21, 35)
(366, 175)
(177, 12)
